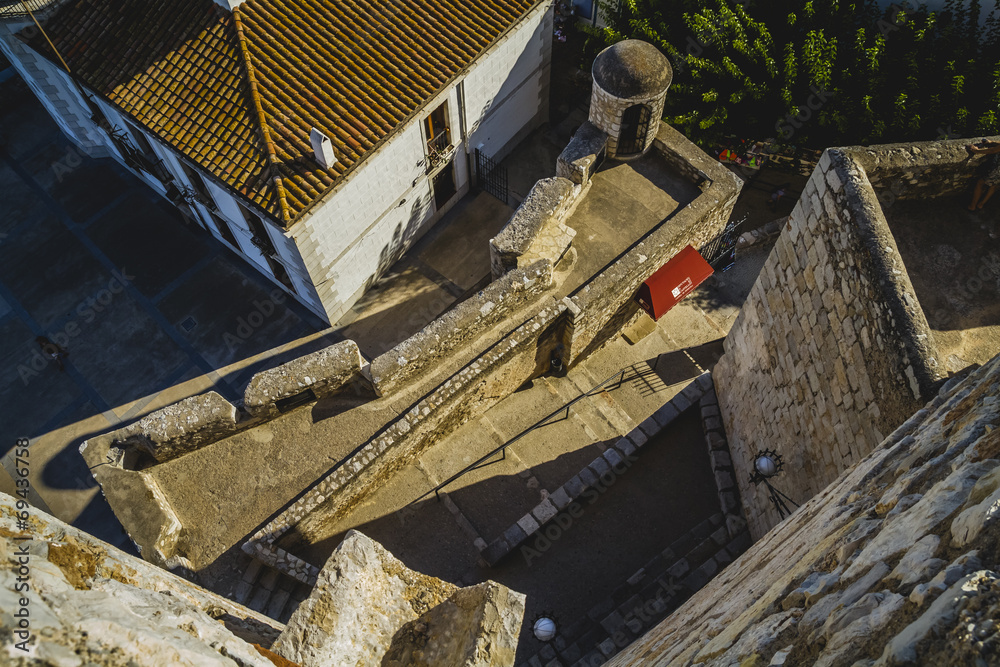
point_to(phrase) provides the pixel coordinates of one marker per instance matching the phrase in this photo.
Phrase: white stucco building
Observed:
(316, 138)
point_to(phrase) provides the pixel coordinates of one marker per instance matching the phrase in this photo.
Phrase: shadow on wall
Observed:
(956, 276)
(671, 369)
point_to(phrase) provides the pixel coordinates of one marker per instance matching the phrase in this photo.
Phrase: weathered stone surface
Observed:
(364, 595)
(857, 610)
(88, 603)
(960, 567)
(848, 630)
(942, 613)
(967, 525)
(577, 161)
(943, 498)
(918, 564)
(759, 637)
(433, 345)
(324, 372)
(477, 626)
(536, 230)
(183, 427)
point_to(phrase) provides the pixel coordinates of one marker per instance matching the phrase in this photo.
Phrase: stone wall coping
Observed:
(460, 325)
(324, 372)
(909, 320)
(537, 209)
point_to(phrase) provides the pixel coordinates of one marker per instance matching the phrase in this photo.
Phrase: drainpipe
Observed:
(460, 90)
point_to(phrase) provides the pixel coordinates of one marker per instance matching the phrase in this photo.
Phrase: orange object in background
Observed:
(672, 282)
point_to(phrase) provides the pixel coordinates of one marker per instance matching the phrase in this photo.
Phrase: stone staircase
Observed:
(268, 591)
(648, 596)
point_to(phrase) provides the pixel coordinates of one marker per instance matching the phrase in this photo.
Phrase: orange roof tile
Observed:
(237, 93)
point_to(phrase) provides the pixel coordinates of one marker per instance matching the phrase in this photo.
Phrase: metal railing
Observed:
(438, 149)
(502, 449)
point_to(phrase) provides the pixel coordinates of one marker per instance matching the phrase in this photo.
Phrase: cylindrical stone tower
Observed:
(630, 84)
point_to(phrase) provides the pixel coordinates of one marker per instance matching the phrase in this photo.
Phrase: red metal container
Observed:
(672, 282)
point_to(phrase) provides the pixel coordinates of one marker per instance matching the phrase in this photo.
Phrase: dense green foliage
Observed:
(822, 72)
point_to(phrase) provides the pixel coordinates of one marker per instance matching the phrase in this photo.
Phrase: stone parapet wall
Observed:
(605, 304)
(523, 354)
(895, 563)
(182, 427)
(685, 158)
(537, 230)
(459, 327)
(926, 170)
(322, 373)
(84, 597)
(583, 153)
(831, 349)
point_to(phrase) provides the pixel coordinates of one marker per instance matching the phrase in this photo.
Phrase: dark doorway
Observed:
(444, 185)
(635, 125)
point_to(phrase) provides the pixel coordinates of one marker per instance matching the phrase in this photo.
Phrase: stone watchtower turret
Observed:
(630, 84)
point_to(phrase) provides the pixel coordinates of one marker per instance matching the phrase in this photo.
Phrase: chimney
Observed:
(322, 148)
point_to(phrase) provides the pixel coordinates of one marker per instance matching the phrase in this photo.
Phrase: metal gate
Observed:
(720, 251)
(491, 177)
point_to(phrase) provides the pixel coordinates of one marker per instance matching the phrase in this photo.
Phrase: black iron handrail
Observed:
(620, 375)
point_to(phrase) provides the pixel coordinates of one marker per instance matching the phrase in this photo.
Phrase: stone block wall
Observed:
(926, 170)
(831, 350)
(323, 373)
(606, 114)
(604, 305)
(895, 563)
(459, 327)
(537, 230)
(582, 154)
(182, 427)
(523, 354)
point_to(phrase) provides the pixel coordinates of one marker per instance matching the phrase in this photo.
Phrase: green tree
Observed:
(824, 72)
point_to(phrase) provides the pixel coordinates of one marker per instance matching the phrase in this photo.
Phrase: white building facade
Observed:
(346, 239)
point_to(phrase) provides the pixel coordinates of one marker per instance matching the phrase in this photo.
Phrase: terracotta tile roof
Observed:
(237, 93)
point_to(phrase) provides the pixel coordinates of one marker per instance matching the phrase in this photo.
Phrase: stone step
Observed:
(647, 597)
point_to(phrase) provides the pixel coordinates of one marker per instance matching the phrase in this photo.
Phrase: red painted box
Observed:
(672, 282)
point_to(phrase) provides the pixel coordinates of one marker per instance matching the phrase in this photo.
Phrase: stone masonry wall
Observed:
(606, 114)
(537, 230)
(518, 357)
(895, 563)
(831, 350)
(926, 170)
(605, 304)
(418, 354)
(87, 602)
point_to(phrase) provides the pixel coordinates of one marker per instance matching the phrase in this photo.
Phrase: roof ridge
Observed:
(269, 149)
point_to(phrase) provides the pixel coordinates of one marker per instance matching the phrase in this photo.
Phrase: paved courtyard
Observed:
(93, 260)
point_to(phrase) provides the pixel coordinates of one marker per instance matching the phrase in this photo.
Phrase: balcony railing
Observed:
(138, 160)
(439, 149)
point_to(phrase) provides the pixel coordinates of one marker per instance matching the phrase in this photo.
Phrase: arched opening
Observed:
(635, 125)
